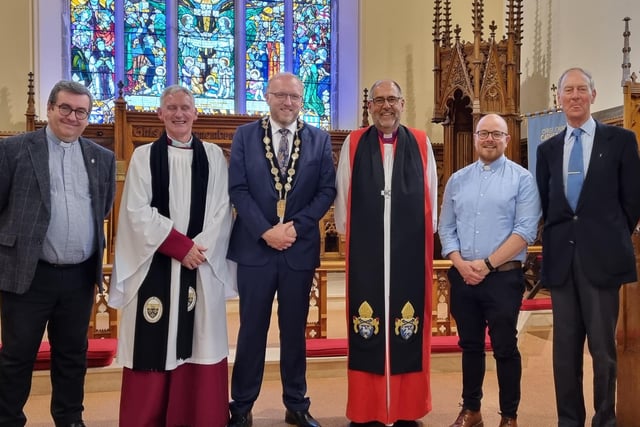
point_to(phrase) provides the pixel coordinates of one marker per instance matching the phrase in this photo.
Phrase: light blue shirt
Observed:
(484, 204)
(71, 236)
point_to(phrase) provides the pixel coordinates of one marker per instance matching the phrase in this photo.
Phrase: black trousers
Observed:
(60, 299)
(257, 286)
(493, 304)
(583, 310)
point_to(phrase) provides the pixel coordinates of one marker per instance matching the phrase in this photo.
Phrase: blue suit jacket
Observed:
(25, 203)
(607, 211)
(253, 194)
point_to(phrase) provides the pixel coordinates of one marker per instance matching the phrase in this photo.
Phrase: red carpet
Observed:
(536, 304)
(332, 347)
(100, 353)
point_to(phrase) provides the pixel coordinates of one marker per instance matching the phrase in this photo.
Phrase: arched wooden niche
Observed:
(475, 78)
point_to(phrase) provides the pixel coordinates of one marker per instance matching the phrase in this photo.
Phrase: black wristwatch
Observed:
(489, 266)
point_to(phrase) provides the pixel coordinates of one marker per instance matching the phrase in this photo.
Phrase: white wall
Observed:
(560, 34)
(48, 49)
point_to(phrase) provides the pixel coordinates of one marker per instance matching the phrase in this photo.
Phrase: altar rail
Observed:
(104, 319)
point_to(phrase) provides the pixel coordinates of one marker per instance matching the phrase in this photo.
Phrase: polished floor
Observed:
(327, 384)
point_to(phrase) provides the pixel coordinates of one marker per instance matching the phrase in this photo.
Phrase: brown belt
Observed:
(508, 266)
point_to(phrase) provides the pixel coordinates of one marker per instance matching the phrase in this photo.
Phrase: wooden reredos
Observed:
(475, 78)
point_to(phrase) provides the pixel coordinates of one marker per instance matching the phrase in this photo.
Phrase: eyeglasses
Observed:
(66, 110)
(495, 134)
(380, 100)
(281, 96)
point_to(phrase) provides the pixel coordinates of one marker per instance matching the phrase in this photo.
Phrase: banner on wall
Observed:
(540, 128)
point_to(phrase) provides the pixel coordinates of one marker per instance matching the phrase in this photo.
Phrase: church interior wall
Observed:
(559, 34)
(395, 40)
(16, 48)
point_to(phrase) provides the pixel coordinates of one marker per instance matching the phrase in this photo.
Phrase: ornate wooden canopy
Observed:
(475, 78)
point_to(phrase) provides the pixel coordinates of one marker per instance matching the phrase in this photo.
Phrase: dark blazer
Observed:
(25, 203)
(252, 193)
(606, 214)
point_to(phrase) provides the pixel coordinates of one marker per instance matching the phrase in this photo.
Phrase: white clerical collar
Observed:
(180, 144)
(53, 138)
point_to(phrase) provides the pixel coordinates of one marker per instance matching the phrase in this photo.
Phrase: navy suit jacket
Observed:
(25, 203)
(606, 214)
(253, 194)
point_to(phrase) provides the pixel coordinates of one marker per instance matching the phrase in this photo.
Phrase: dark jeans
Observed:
(59, 299)
(493, 304)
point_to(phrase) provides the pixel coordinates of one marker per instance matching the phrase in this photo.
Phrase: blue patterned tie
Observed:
(575, 171)
(283, 151)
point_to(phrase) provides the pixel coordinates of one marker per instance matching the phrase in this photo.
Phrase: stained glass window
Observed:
(264, 28)
(200, 45)
(206, 52)
(312, 45)
(145, 69)
(92, 53)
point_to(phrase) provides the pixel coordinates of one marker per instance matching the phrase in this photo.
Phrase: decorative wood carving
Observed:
(628, 332)
(475, 78)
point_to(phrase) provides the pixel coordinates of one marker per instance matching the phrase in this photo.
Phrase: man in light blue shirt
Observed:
(490, 213)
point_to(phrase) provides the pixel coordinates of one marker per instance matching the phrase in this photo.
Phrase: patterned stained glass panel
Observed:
(264, 27)
(145, 51)
(206, 53)
(312, 60)
(92, 53)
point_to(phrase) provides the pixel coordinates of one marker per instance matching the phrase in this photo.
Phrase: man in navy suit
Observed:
(587, 248)
(55, 190)
(281, 183)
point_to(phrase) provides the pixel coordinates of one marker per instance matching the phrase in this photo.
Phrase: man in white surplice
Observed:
(171, 276)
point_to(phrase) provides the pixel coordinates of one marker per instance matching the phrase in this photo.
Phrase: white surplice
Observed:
(141, 231)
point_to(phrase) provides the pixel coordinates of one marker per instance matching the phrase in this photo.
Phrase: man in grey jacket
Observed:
(55, 190)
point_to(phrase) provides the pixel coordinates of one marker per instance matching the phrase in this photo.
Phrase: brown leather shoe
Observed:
(468, 418)
(508, 422)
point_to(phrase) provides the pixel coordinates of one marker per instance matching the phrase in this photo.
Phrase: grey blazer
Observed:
(25, 203)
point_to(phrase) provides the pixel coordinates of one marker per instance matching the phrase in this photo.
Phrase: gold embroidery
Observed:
(365, 324)
(408, 325)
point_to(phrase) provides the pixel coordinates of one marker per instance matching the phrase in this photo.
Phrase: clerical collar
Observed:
(493, 166)
(53, 138)
(180, 144)
(388, 138)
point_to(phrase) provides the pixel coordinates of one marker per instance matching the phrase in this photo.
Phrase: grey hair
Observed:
(173, 89)
(379, 82)
(71, 87)
(592, 84)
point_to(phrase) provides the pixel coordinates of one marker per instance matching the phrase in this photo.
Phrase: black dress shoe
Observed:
(77, 424)
(367, 424)
(300, 419)
(241, 420)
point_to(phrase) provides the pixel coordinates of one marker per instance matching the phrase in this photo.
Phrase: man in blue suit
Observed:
(281, 183)
(589, 182)
(56, 188)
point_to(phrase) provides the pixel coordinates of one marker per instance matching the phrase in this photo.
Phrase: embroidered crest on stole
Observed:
(191, 299)
(365, 324)
(407, 326)
(152, 310)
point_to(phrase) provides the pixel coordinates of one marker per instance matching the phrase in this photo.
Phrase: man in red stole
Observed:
(386, 205)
